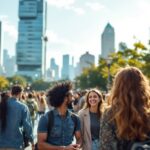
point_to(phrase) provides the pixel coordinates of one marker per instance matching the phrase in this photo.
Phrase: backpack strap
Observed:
(75, 120)
(50, 122)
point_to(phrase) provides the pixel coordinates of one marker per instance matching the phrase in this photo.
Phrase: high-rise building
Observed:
(30, 48)
(54, 69)
(6, 58)
(86, 61)
(65, 67)
(107, 41)
(9, 64)
(72, 70)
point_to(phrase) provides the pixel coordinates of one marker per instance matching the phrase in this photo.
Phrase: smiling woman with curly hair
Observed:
(128, 118)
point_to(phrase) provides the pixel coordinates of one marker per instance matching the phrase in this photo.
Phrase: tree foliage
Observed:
(138, 56)
(40, 85)
(17, 79)
(4, 83)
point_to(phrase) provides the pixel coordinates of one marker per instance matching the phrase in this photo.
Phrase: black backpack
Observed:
(134, 145)
(144, 145)
(51, 122)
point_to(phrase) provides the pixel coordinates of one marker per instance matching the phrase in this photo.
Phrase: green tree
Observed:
(91, 78)
(40, 85)
(146, 66)
(4, 83)
(98, 76)
(18, 80)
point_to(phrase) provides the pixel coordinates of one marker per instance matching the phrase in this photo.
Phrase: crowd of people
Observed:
(73, 120)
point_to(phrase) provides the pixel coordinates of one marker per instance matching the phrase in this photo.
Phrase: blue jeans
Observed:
(96, 144)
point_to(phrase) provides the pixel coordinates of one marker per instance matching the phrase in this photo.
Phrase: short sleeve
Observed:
(78, 124)
(42, 126)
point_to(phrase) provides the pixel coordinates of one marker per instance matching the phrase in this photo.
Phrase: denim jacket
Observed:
(62, 131)
(18, 119)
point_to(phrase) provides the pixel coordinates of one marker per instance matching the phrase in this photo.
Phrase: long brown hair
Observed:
(130, 98)
(100, 104)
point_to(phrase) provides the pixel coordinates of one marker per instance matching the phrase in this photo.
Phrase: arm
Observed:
(42, 144)
(78, 134)
(42, 137)
(107, 138)
(78, 138)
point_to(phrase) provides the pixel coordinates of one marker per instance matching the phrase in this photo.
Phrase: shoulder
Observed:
(46, 115)
(18, 104)
(83, 112)
(73, 115)
(107, 114)
(44, 119)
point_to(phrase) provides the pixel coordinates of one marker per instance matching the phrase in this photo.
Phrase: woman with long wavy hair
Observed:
(128, 118)
(90, 117)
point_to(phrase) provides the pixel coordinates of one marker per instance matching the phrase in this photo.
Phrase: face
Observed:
(93, 99)
(70, 98)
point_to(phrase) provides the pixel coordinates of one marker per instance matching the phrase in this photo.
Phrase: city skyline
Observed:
(75, 26)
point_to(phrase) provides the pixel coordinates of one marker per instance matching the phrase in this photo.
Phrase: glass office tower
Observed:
(30, 48)
(107, 41)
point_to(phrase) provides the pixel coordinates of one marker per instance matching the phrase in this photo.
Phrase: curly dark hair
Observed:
(16, 89)
(57, 93)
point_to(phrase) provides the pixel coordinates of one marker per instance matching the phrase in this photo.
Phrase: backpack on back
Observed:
(31, 107)
(144, 145)
(134, 145)
(51, 123)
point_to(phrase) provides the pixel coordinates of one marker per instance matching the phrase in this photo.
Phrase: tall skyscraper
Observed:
(107, 41)
(30, 48)
(9, 64)
(65, 67)
(55, 69)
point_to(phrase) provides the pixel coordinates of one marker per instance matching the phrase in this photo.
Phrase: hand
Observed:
(72, 147)
(33, 146)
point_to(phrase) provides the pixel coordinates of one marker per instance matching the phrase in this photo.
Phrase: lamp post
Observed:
(45, 39)
(109, 74)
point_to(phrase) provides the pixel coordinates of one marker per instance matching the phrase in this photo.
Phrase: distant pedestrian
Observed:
(59, 134)
(127, 121)
(90, 117)
(42, 105)
(32, 106)
(14, 120)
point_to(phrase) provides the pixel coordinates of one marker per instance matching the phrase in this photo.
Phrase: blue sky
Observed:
(75, 26)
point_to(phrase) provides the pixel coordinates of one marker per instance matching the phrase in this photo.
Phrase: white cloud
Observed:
(8, 27)
(67, 5)
(78, 10)
(130, 27)
(61, 3)
(54, 38)
(95, 6)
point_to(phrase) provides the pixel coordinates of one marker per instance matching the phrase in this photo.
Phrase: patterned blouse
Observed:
(108, 140)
